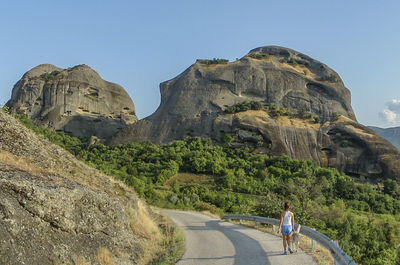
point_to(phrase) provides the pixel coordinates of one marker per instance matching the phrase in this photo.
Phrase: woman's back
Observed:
(287, 218)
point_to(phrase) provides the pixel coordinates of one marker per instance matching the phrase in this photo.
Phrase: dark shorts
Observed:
(286, 229)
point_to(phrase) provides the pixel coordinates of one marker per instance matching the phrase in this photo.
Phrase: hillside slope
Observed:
(390, 134)
(56, 210)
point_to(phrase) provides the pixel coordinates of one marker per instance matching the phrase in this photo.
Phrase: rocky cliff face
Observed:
(56, 210)
(390, 134)
(195, 103)
(74, 100)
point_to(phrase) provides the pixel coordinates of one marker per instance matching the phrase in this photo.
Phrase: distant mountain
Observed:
(390, 134)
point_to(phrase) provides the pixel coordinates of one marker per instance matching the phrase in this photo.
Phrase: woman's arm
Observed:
(280, 223)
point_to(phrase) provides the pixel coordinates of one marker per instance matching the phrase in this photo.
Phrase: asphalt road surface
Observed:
(216, 242)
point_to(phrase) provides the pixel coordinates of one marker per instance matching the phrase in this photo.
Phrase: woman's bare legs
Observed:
(288, 242)
(284, 242)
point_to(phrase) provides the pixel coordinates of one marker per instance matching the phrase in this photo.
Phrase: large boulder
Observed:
(195, 103)
(56, 210)
(74, 100)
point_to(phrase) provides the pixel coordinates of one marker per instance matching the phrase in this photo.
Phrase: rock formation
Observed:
(56, 210)
(195, 103)
(74, 100)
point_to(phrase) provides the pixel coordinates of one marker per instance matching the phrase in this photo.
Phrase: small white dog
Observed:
(295, 239)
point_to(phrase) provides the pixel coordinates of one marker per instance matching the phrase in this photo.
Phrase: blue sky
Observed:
(139, 44)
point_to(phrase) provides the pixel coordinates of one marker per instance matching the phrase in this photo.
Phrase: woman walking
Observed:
(286, 227)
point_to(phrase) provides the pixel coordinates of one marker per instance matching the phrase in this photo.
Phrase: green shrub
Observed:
(213, 61)
(243, 106)
(5, 109)
(294, 61)
(335, 116)
(49, 76)
(258, 56)
(304, 114)
(329, 78)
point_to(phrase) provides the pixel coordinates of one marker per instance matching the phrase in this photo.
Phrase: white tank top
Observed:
(287, 219)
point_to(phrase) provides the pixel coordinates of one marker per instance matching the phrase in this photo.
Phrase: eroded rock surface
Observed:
(56, 210)
(74, 100)
(193, 104)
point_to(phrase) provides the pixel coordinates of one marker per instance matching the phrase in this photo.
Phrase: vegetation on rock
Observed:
(329, 78)
(294, 61)
(49, 76)
(271, 109)
(258, 56)
(213, 61)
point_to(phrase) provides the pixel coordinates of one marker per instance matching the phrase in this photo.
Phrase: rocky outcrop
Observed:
(195, 103)
(74, 100)
(56, 210)
(390, 134)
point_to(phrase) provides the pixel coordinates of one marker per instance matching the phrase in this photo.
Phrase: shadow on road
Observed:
(247, 250)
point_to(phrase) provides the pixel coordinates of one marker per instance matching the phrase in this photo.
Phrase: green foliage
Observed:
(391, 188)
(335, 116)
(258, 56)
(173, 243)
(364, 218)
(304, 114)
(271, 109)
(317, 119)
(213, 61)
(5, 109)
(343, 140)
(72, 144)
(294, 61)
(329, 78)
(376, 237)
(49, 76)
(226, 139)
(277, 112)
(243, 106)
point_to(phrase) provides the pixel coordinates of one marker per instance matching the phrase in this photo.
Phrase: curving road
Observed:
(212, 241)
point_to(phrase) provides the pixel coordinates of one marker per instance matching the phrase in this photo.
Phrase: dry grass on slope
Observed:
(39, 169)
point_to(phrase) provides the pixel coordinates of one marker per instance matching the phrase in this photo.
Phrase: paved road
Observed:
(212, 241)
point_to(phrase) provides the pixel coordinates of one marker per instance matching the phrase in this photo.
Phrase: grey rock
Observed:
(344, 144)
(193, 104)
(56, 210)
(191, 101)
(74, 100)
